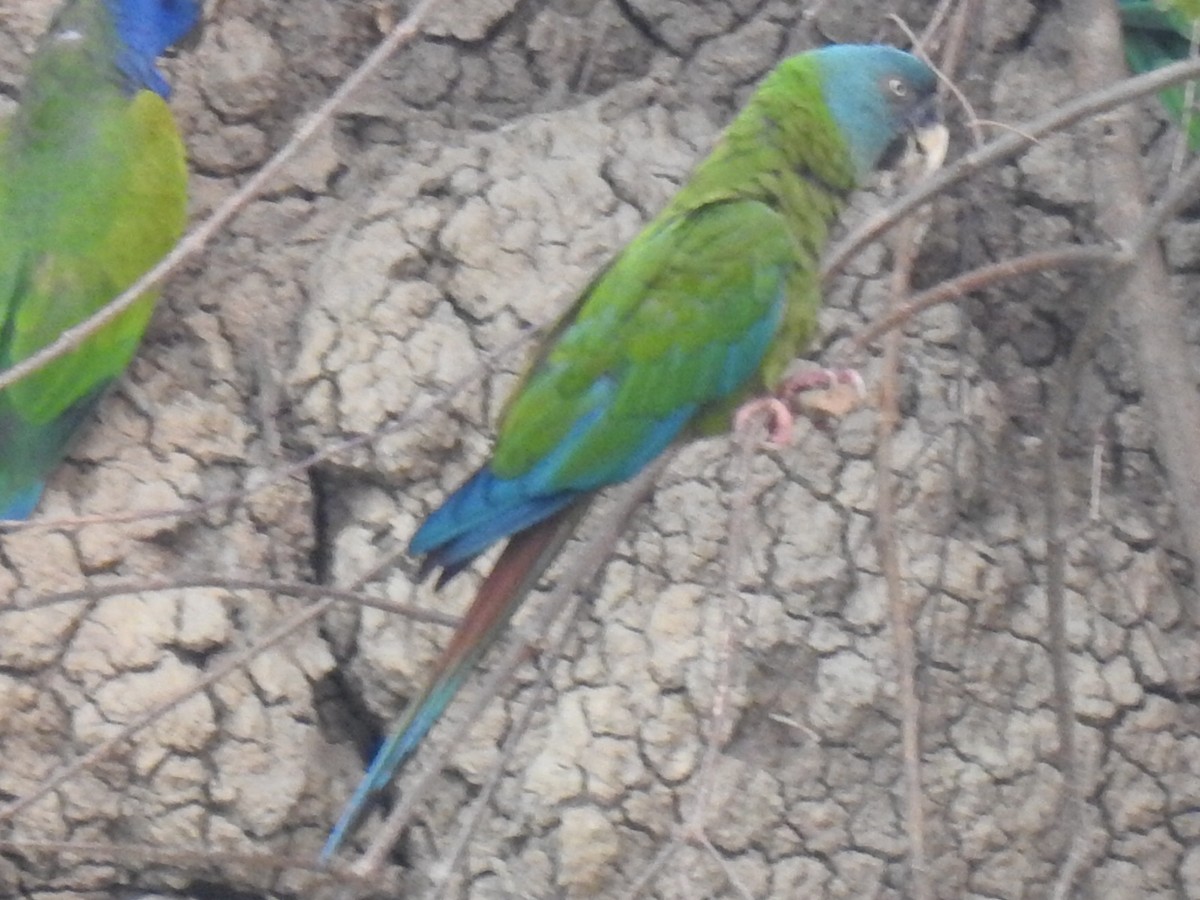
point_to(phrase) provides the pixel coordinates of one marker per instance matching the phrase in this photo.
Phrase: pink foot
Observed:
(779, 419)
(824, 379)
(780, 409)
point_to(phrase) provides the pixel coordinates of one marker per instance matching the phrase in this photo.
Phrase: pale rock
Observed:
(181, 780)
(747, 806)
(240, 76)
(611, 767)
(860, 874)
(262, 780)
(206, 432)
(589, 847)
(608, 712)
(1189, 872)
(478, 756)
(278, 678)
(204, 623)
(827, 636)
(555, 774)
(670, 739)
(44, 562)
(32, 638)
(846, 684)
(470, 24)
(313, 168)
(1093, 700)
(187, 728)
(673, 633)
(823, 825)
(799, 876)
(124, 632)
(1121, 682)
(1131, 798)
(869, 605)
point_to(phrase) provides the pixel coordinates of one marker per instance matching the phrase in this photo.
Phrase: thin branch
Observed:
(452, 858)
(402, 422)
(1056, 259)
(287, 588)
(956, 40)
(1179, 194)
(1184, 138)
(953, 46)
(156, 712)
(731, 876)
(1003, 148)
(407, 30)
(744, 445)
(1102, 293)
(1164, 368)
(899, 606)
(654, 868)
(200, 859)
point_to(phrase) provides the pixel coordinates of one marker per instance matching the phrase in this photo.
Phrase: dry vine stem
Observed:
(906, 244)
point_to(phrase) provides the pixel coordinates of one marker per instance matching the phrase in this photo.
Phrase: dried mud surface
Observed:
(466, 192)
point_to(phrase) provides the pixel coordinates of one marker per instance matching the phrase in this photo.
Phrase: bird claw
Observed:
(780, 421)
(842, 390)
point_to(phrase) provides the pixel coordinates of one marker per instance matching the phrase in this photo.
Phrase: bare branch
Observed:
(1069, 256)
(287, 588)
(1005, 147)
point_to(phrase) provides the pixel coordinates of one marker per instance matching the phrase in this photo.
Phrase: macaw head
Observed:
(877, 95)
(145, 29)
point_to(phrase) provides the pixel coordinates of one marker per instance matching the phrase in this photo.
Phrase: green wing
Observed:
(677, 324)
(92, 241)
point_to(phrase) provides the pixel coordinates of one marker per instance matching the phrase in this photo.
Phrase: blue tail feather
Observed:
(484, 510)
(488, 508)
(392, 754)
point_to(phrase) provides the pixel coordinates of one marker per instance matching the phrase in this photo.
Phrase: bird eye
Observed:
(897, 87)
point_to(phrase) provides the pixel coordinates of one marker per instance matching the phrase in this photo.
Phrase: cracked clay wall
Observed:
(478, 180)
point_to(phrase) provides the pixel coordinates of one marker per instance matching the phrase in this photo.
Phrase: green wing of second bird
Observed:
(1156, 35)
(93, 192)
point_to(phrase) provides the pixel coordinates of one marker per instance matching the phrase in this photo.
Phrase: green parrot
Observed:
(704, 308)
(1158, 33)
(93, 192)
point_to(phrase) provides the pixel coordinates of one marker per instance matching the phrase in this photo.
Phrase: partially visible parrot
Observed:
(93, 192)
(1157, 33)
(704, 308)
